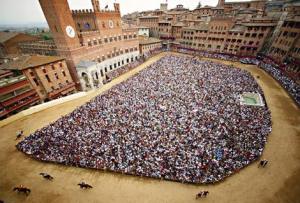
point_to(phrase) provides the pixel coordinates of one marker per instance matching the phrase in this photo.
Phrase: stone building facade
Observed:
(48, 75)
(147, 45)
(90, 35)
(16, 93)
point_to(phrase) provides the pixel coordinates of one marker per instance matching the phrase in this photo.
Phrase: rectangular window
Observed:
(47, 77)
(36, 82)
(64, 73)
(56, 76)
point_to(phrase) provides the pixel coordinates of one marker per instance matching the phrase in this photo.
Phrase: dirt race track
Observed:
(278, 182)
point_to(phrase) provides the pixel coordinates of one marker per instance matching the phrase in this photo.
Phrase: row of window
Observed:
(231, 48)
(116, 65)
(115, 54)
(218, 28)
(288, 34)
(220, 40)
(110, 39)
(291, 24)
(284, 42)
(47, 76)
(253, 35)
(146, 47)
(296, 50)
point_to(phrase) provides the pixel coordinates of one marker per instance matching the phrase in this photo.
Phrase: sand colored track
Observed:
(279, 182)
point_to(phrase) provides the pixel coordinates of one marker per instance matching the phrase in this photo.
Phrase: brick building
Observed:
(16, 93)
(224, 35)
(90, 35)
(39, 47)
(147, 45)
(9, 42)
(48, 75)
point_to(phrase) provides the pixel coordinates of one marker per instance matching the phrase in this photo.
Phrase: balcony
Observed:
(34, 99)
(17, 98)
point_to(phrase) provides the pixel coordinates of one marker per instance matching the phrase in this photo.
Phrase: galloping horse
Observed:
(263, 163)
(22, 189)
(19, 134)
(46, 176)
(202, 194)
(84, 185)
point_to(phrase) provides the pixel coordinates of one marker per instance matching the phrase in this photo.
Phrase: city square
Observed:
(278, 148)
(159, 101)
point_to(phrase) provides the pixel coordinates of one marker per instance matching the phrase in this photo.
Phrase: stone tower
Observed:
(96, 5)
(62, 26)
(221, 3)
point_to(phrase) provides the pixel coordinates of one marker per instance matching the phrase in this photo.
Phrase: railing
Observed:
(18, 106)
(19, 97)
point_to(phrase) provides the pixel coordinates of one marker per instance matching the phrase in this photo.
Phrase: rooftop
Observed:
(26, 61)
(150, 40)
(4, 36)
(85, 64)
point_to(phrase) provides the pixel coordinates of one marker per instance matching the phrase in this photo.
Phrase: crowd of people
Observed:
(288, 83)
(201, 53)
(116, 73)
(180, 119)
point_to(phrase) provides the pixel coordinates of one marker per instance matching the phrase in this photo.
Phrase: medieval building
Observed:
(90, 35)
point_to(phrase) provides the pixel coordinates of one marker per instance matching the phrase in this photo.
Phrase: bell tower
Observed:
(96, 5)
(221, 3)
(62, 26)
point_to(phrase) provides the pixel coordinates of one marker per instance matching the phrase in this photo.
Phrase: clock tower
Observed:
(62, 26)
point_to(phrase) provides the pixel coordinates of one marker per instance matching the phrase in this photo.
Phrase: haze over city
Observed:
(29, 11)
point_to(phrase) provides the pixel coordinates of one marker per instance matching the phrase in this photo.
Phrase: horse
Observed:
(84, 185)
(22, 189)
(263, 163)
(202, 194)
(19, 134)
(46, 176)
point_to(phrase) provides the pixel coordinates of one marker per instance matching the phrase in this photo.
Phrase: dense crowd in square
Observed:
(290, 85)
(268, 65)
(179, 119)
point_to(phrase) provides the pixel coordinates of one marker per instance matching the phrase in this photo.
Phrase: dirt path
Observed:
(279, 182)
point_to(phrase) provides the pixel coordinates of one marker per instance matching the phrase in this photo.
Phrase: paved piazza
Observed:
(180, 119)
